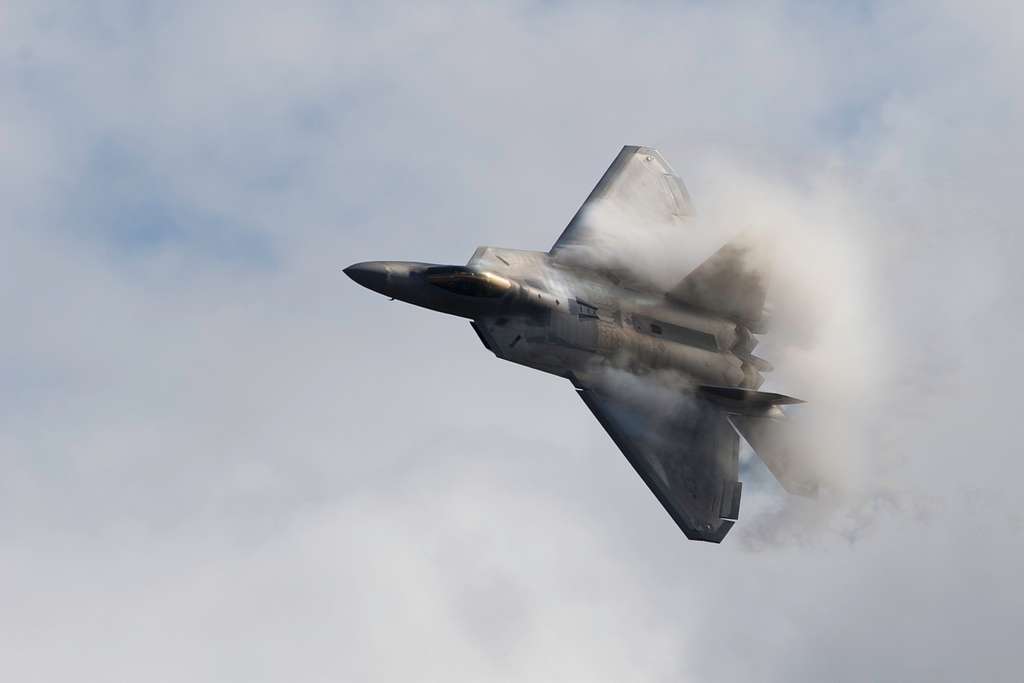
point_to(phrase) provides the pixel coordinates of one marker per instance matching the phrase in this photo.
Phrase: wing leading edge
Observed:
(686, 454)
(638, 194)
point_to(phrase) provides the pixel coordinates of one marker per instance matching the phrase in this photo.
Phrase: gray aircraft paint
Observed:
(668, 372)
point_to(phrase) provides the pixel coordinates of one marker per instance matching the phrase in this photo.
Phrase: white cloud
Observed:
(239, 468)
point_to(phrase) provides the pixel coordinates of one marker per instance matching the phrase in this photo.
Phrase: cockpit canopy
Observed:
(468, 282)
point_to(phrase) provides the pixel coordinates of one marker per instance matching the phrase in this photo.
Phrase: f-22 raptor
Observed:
(669, 374)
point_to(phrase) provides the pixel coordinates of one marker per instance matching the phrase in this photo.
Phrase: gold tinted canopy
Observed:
(467, 282)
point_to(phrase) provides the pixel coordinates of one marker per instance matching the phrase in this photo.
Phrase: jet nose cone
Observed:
(371, 274)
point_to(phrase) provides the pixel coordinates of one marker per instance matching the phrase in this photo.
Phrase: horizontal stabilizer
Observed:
(745, 399)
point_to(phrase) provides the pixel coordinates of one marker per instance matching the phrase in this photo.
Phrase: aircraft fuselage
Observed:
(562, 321)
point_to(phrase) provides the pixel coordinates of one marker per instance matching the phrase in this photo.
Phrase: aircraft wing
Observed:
(636, 195)
(684, 449)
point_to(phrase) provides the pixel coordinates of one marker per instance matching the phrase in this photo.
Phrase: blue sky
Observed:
(224, 461)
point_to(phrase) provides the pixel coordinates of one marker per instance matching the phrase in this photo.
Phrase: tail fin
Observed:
(759, 420)
(769, 437)
(732, 282)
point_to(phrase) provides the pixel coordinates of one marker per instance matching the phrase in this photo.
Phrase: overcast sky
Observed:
(221, 460)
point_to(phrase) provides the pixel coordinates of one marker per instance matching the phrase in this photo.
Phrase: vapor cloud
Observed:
(223, 461)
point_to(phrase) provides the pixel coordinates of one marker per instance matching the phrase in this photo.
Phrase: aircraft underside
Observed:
(669, 373)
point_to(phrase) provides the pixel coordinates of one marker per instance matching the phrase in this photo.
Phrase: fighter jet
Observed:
(668, 372)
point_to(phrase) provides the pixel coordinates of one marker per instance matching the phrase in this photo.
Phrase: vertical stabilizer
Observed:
(732, 283)
(770, 439)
